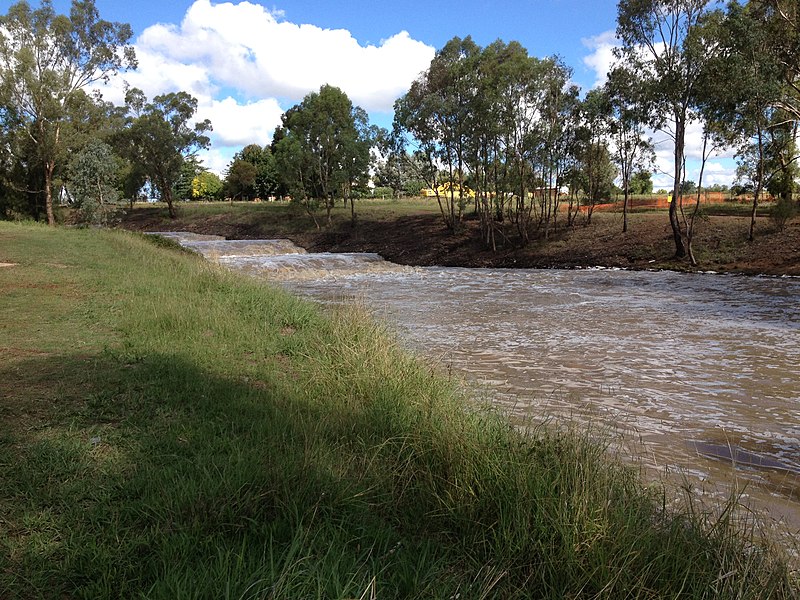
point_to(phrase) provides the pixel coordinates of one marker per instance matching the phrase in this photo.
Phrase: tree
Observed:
(93, 178)
(206, 185)
(632, 151)
(190, 169)
(782, 156)
(596, 169)
(438, 112)
(46, 61)
(641, 182)
(495, 118)
(240, 180)
(655, 34)
(265, 183)
(780, 22)
(160, 138)
(322, 148)
(743, 87)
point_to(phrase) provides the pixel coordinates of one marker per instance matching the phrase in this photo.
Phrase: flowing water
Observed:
(700, 372)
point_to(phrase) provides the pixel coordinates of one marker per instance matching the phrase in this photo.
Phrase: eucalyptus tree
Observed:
(633, 151)
(780, 20)
(438, 114)
(322, 148)
(499, 119)
(93, 182)
(418, 141)
(744, 89)
(759, 92)
(593, 154)
(159, 138)
(530, 118)
(46, 61)
(655, 34)
(265, 182)
(782, 156)
(553, 139)
(240, 179)
(505, 105)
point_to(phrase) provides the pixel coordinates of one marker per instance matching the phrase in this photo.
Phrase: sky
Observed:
(248, 62)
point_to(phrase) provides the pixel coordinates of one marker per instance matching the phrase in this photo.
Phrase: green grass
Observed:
(175, 431)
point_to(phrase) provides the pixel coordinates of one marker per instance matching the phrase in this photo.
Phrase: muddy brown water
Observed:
(698, 373)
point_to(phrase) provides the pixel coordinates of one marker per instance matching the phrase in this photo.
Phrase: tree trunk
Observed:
(328, 207)
(352, 207)
(49, 168)
(759, 185)
(677, 235)
(166, 195)
(625, 210)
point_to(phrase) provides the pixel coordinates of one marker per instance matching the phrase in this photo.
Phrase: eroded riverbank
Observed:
(413, 235)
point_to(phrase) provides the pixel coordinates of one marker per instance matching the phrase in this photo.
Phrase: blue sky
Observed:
(544, 27)
(247, 62)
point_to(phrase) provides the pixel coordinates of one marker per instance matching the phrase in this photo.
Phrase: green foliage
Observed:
(159, 140)
(252, 174)
(322, 149)
(93, 176)
(206, 186)
(383, 192)
(495, 117)
(190, 168)
(782, 212)
(240, 180)
(688, 187)
(641, 183)
(47, 60)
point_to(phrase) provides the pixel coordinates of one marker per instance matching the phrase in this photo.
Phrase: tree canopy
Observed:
(323, 147)
(160, 137)
(47, 60)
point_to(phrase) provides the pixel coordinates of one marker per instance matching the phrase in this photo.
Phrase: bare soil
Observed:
(422, 240)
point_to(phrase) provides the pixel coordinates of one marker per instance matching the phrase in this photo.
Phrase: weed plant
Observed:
(176, 431)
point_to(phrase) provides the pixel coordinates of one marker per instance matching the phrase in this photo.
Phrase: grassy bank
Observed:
(174, 431)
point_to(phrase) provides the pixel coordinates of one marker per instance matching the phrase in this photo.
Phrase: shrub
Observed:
(783, 211)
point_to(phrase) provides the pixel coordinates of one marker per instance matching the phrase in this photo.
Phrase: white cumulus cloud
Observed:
(602, 56)
(246, 66)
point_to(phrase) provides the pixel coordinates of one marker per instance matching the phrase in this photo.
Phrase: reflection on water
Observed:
(702, 368)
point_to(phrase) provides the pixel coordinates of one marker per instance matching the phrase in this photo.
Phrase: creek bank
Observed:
(421, 240)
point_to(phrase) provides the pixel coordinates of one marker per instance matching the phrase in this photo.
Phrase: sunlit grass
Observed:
(178, 431)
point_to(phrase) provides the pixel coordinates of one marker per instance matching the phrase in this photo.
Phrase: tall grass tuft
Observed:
(178, 431)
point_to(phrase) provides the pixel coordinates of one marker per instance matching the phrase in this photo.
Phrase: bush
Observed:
(783, 211)
(385, 192)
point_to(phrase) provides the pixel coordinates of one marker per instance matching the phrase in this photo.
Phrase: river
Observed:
(697, 374)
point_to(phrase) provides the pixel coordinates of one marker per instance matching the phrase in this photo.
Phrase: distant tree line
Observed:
(489, 131)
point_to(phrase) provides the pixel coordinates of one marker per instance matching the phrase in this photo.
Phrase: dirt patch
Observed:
(422, 240)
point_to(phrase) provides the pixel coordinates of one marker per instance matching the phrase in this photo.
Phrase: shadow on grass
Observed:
(159, 478)
(156, 478)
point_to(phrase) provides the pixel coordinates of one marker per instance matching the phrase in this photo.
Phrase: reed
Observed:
(177, 431)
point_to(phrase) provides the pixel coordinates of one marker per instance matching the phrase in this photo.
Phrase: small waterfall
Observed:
(282, 259)
(312, 265)
(228, 249)
(185, 236)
